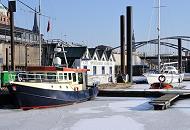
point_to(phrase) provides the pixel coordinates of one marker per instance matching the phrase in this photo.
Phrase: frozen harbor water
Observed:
(104, 113)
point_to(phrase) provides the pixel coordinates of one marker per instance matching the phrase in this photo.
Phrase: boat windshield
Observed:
(37, 77)
(169, 70)
(50, 77)
(153, 71)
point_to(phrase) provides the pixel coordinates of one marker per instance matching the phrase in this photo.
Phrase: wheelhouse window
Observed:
(69, 74)
(103, 69)
(65, 76)
(80, 78)
(94, 70)
(74, 77)
(31, 76)
(60, 76)
(40, 76)
(51, 76)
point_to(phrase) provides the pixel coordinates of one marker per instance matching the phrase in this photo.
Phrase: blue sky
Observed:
(95, 22)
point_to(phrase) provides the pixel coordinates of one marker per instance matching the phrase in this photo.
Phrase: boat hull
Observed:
(173, 79)
(31, 97)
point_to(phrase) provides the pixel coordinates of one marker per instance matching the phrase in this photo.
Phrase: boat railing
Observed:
(27, 77)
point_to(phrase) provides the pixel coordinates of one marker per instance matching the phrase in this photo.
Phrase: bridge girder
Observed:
(154, 41)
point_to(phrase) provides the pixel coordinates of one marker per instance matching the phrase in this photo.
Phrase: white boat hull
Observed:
(172, 79)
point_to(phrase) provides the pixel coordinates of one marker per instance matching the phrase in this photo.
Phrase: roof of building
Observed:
(70, 61)
(103, 47)
(100, 53)
(108, 53)
(17, 29)
(72, 53)
(35, 29)
(92, 51)
(75, 52)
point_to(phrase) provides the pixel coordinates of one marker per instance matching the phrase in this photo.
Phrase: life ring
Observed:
(20, 79)
(161, 78)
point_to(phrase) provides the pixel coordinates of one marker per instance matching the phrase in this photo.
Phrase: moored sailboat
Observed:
(168, 76)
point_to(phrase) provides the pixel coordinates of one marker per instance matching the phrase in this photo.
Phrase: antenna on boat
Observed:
(57, 60)
(158, 28)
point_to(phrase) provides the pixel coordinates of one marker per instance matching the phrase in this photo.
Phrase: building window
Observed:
(85, 67)
(27, 37)
(23, 36)
(110, 71)
(94, 70)
(103, 69)
(35, 37)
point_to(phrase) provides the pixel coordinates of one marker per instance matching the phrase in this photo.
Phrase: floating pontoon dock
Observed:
(164, 101)
(164, 97)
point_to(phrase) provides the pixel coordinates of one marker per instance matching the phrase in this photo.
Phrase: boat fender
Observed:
(167, 86)
(161, 78)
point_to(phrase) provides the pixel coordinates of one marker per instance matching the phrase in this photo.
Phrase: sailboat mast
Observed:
(158, 28)
(40, 44)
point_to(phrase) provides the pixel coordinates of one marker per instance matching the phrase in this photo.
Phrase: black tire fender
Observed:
(161, 78)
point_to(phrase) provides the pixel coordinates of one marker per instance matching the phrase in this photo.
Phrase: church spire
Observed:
(35, 26)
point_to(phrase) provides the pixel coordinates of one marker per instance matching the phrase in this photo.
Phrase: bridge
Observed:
(167, 42)
(137, 45)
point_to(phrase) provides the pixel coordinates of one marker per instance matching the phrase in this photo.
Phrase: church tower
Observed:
(35, 26)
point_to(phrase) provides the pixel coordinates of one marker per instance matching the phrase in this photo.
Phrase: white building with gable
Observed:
(100, 62)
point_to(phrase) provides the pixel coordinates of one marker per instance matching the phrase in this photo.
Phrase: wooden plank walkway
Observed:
(164, 101)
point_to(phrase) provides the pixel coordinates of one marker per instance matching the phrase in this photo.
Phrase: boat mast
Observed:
(158, 28)
(40, 46)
